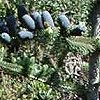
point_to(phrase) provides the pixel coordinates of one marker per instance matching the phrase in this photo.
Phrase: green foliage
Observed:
(38, 65)
(97, 42)
(82, 45)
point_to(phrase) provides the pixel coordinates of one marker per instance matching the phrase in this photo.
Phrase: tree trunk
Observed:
(94, 76)
(94, 64)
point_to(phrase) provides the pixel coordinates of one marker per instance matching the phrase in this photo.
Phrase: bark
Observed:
(94, 64)
(94, 76)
